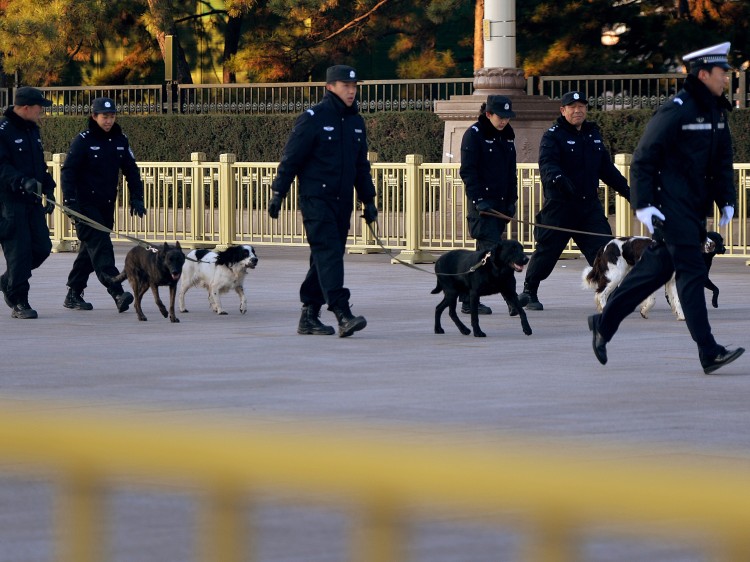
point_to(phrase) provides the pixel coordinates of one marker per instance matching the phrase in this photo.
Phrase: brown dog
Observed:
(151, 268)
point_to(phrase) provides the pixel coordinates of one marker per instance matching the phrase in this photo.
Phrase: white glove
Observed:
(726, 215)
(646, 216)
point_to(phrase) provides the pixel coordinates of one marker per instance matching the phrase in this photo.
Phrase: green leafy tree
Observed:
(39, 41)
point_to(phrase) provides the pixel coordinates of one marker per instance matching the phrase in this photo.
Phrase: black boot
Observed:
(309, 322)
(528, 298)
(348, 323)
(23, 311)
(74, 300)
(122, 298)
(466, 308)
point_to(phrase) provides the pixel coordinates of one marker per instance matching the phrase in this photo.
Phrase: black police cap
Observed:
(26, 95)
(341, 73)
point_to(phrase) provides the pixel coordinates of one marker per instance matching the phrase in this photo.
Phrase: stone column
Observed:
(499, 75)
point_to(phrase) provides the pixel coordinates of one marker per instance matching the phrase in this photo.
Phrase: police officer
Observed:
(488, 170)
(90, 177)
(572, 160)
(681, 167)
(24, 178)
(327, 152)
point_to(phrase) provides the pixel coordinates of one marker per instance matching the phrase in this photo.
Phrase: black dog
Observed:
(149, 268)
(496, 275)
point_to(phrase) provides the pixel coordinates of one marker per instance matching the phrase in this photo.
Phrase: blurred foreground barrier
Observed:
(558, 491)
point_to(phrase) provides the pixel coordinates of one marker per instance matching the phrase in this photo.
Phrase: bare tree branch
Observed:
(354, 22)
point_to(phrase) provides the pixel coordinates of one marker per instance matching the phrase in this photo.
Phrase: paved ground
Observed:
(396, 374)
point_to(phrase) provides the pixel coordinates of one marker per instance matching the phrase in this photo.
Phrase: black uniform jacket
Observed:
(21, 156)
(327, 151)
(91, 172)
(488, 164)
(580, 156)
(683, 162)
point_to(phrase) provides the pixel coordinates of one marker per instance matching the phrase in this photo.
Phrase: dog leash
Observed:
(98, 226)
(393, 256)
(93, 224)
(499, 215)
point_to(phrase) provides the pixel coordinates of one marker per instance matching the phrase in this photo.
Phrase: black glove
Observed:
(370, 212)
(50, 205)
(274, 205)
(567, 188)
(483, 205)
(29, 186)
(137, 208)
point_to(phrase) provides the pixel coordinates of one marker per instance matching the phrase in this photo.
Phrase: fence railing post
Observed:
(198, 200)
(59, 220)
(365, 242)
(227, 200)
(413, 211)
(623, 215)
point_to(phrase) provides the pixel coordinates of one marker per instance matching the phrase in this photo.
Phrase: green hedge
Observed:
(253, 138)
(622, 130)
(393, 135)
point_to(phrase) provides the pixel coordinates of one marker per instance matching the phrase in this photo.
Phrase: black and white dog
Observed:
(618, 256)
(218, 272)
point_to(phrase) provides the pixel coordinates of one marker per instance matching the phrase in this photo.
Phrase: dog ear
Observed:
(177, 245)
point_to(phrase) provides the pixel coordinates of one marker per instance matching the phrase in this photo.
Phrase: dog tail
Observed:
(436, 290)
(588, 278)
(117, 278)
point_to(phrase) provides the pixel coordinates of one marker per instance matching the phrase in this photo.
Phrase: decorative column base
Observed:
(506, 81)
(534, 114)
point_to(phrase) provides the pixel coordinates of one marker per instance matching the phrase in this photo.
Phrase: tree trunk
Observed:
(162, 13)
(478, 37)
(231, 45)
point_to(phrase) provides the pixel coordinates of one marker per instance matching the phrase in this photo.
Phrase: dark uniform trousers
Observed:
(487, 231)
(26, 248)
(652, 271)
(326, 224)
(586, 216)
(96, 254)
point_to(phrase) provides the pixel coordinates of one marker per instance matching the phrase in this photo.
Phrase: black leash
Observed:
(98, 226)
(491, 213)
(499, 215)
(472, 269)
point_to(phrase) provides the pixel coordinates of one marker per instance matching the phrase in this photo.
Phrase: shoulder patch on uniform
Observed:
(311, 112)
(475, 128)
(678, 101)
(328, 128)
(571, 142)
